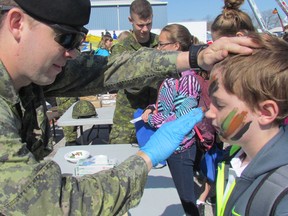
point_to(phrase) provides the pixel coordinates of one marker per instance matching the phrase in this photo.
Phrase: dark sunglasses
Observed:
(67, 38)
(5, 8)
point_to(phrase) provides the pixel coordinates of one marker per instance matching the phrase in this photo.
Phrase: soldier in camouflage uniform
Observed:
(129, 100)
(70, 132)
(37, 54)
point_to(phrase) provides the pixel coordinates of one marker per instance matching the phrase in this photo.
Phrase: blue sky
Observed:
(198, 10)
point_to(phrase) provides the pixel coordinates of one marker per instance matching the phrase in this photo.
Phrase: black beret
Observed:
(74, 13)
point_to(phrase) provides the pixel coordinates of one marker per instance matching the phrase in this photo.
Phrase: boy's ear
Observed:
(268, 112)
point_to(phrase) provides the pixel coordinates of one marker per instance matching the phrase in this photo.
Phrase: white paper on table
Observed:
(136, 120)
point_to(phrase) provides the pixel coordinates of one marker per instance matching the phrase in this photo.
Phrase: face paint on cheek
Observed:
(234, 122)
(227, 121)
(241, 132)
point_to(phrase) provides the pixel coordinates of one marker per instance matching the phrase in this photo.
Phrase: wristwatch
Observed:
(193, 54)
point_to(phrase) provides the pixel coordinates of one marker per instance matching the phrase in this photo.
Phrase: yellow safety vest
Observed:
(221, 181)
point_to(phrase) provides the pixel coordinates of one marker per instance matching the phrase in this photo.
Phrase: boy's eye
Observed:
(218, 105)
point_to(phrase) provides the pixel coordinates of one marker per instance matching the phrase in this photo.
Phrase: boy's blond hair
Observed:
(260, 76)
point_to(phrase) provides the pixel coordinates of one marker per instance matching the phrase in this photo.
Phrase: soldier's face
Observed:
(46, 58)
(141, 27)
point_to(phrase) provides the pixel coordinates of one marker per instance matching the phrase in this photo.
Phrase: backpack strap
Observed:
(269, 192)
(204, 99)
(199, 134)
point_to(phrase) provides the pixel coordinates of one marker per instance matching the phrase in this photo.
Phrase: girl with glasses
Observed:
(175, 98)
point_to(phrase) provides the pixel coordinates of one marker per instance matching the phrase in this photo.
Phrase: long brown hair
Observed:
(179, 33)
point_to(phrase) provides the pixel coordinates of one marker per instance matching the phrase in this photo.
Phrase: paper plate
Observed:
(75, 156)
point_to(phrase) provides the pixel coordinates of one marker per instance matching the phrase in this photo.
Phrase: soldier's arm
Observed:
(28, 186)
(90, 75)
(110, 192)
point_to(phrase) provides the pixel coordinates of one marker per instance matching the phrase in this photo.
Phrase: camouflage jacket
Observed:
(30, 186)
(131, 44)
(128, 100)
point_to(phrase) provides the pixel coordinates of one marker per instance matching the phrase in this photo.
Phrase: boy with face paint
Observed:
(249, 96)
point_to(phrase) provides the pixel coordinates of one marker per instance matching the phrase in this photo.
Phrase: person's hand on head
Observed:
(170, 135)
(219, 49)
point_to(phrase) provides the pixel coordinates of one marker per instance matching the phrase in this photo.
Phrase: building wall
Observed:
(115, 17)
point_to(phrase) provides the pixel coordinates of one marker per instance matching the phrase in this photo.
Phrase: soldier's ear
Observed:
(15, 20)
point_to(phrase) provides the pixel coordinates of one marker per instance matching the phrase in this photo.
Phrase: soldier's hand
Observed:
(219, 49)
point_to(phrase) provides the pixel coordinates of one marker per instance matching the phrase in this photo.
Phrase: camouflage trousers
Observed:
(70, 133)
(122, 135)
(63, 103)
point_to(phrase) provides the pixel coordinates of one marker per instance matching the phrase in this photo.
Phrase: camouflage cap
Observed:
(83, 109)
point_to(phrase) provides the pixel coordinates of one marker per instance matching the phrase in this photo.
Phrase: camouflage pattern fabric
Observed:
(41, 118)
(63, 103)
(83, 109)
(40, 189)
(89, 75)
(129, 100)
(30, 186)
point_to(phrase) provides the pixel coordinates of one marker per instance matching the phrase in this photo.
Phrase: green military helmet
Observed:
(83, 109)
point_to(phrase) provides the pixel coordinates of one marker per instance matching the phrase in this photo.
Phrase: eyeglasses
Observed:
(160, 45)
(5, 8)
(67, 38)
